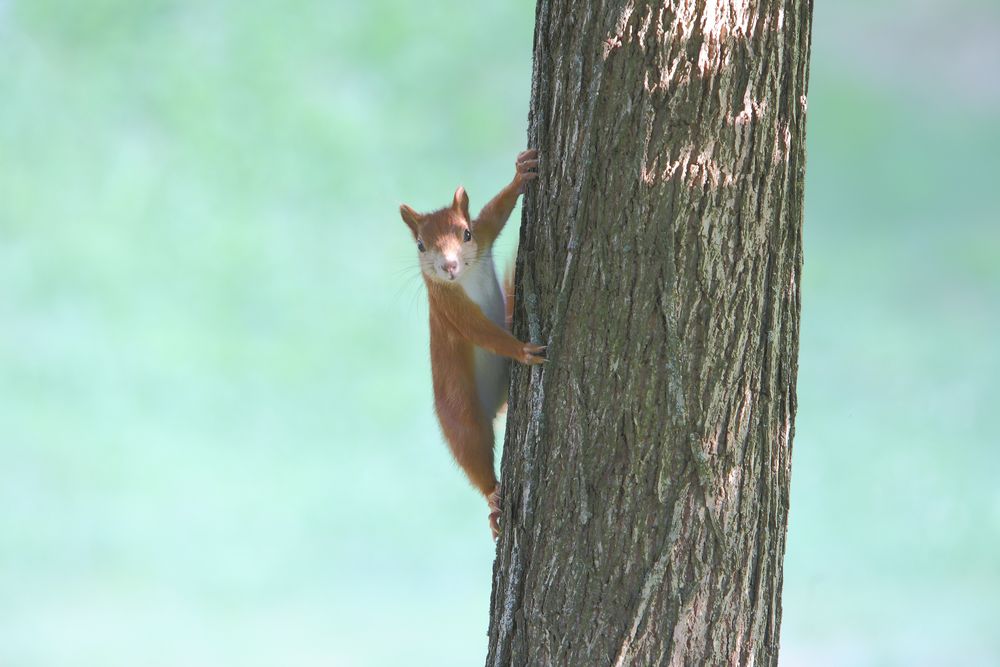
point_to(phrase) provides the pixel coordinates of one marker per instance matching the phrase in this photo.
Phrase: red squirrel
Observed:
(469, 317)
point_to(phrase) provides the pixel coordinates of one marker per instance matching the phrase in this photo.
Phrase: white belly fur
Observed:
(481, 285)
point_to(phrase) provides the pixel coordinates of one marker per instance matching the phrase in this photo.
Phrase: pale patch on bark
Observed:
(696, 170)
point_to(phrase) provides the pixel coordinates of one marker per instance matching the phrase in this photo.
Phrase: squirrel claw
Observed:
(533, 354)
(526, 167)
(493, 500)
(495, 525)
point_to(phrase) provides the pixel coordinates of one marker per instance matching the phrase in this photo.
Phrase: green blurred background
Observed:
(216, 431)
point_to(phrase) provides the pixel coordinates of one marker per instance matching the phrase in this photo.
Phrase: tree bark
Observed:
(646, 466)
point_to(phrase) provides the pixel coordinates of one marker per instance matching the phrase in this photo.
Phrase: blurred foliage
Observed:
(215, 416)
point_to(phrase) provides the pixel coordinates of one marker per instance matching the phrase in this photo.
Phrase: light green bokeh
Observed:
(216, 431)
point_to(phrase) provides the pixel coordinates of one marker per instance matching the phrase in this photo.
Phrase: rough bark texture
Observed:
(646, 468)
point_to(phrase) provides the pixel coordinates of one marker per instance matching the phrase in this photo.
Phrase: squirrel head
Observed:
(445, 239)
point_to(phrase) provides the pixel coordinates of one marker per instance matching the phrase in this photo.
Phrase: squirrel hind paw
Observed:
(495, 525)
(494, 502)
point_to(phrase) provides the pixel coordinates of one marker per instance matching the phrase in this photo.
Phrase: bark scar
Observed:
(652, 582)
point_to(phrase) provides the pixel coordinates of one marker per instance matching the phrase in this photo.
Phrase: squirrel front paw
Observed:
(532, 354)
(526, 168)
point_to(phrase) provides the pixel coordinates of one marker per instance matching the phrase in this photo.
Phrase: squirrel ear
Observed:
(410, 217)
(461, 203)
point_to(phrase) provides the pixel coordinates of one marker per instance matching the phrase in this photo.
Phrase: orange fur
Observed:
(451, 306)
(467, 430)
(452, 247)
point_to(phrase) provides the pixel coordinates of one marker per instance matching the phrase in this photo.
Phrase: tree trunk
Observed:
(646, 466)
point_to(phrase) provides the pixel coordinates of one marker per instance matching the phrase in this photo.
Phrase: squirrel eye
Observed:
(420, 245)
(468, 235)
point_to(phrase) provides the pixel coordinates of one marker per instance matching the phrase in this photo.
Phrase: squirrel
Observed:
(469, 322)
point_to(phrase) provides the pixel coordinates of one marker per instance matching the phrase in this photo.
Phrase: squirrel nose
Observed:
(450, 266)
